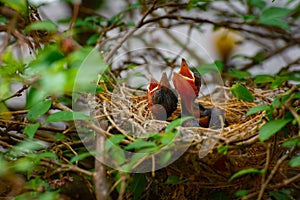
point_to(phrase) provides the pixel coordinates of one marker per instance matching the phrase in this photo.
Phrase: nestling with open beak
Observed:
(162, 98)
(188, 83)
(190, 75)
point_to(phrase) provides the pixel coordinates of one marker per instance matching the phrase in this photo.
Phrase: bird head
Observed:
(187, 83)
(193, 78)
(162, 99)
(152, 87)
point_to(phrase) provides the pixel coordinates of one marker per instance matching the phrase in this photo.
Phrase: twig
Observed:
(129, 33)
(269, 56)
(234, 25)
(2, 143)
(17, 94)
(99, 177)
(115, 125)
(285, 182)
(263, 178)
(123, 186)
(57, 104)
(200, 61)
(265, 185)
(71, 149)
(75, 14)
(64, 167)
(153, 166)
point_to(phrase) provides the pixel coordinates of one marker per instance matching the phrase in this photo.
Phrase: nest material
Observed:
(127, 111)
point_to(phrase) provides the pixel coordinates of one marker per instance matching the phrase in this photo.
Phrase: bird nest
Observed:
(213, 155)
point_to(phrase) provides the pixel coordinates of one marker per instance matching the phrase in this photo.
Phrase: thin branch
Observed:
(129, 33)
(17, 94)
(269, 56)
(99, 177)
(64, 167)
(265, 185)
(233, 25)
(262, 189)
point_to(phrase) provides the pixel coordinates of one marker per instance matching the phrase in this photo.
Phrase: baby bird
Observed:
(187, 82)
(162, 98)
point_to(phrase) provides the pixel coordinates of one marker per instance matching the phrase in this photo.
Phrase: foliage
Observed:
(43, 157)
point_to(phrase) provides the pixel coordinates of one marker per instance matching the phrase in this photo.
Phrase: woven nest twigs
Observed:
(201, 166)
(128, 112)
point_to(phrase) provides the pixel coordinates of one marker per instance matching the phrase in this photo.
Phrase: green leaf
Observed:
(275, 13)
(274, 16)
(22, 165)
(34, 96)
(18, 5)
(165, 157)
(241, 193)
(48, 195)
(3, 19)
(114, 140)
(3, 166)
(11, 67)
(140, 144)
(291, 143)
(132, 6)
(45, 25)
(168, 137)
(176, 123)
(249, 18)
(263, 79)
(59, 136)
(38, 110)
(47, 154)
(281, 195)
(276, 102)
(246, 171)
(257, 109)
(30, 129)
(117, 155)
(28, 145)
(223, 149)
(138, 185)
(257, 3)
(82, 156)
(93, 39)
(241, 92)
(173, 180)
(259, 57)
(91, 66)
(240, 74)
(37, 157)
(137, 157)
(67, 116)
(55, 82)
(295, 162)
(210, 68)
(270, 128)
(278, 81)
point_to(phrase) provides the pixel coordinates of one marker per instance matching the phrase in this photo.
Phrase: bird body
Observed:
(162, 98)
(187, 82)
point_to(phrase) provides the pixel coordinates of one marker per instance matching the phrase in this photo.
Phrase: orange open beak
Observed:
(193, 79)
(152, 87)
(186, 92)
